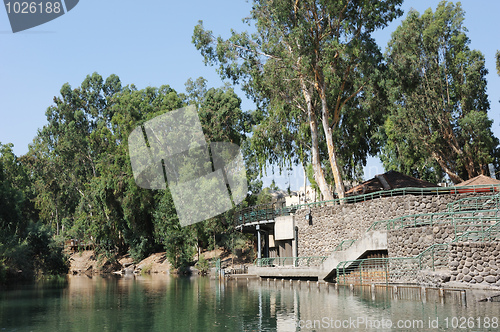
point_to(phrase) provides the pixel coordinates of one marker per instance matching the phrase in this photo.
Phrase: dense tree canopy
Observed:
(438, 121)
(325, 99)
(27, 248)
(11, 198)
(312, 68)
(82, 174)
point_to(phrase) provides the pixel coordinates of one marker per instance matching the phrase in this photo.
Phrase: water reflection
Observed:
(164, 303)
(307, 307)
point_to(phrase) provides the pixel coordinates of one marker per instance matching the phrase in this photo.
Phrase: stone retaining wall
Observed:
(407, 242)
(333, 224)
(466, 262)
(475, 263)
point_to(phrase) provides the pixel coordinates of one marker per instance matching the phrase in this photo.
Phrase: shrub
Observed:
(203, 265)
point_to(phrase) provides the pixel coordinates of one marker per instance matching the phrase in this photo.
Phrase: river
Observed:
(167, 303)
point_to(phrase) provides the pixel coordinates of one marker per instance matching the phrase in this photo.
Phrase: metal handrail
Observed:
(344, 245)
(429, 219)
(403, 269)
(456, 222)
(475, 203)
(269, 211)
(262, 212)
(393, 222)
(407, 191)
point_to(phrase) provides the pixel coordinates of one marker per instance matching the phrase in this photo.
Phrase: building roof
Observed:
(387, 181)
(479, 180)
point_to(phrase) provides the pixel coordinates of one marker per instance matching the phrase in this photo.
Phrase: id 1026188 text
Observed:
(33, 7)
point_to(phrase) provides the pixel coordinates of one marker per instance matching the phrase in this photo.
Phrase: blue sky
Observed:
(148, 43)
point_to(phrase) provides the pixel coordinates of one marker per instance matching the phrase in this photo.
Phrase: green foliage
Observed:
(179, 242)
(33, 254)
(399, 155)
(77, 178)
(438, 121)
(47, 255)
(3, 271)
(15, 211)
(82, 168)
(311, 66)
(264, 197)
(203, 265)
(310, 177)
(26, 247)
(498, 62)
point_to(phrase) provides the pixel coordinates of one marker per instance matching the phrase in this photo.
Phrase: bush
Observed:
(47, 256)
(32, 255)
(203, 265)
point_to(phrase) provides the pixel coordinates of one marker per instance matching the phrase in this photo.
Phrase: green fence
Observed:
(270, 211)
(475, 203)
(376, 270)
(405, 269)
(473, 222)
(290, 261)
(344, 245)
(453, 217)
(262, 212)
(429, 219)
(407, 191)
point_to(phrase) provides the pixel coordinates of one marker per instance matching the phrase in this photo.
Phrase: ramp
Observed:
(371, 241)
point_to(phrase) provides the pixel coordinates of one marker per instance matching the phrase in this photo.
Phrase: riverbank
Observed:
(89, 263)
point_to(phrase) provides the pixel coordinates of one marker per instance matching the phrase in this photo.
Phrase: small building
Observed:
(478, 181)
(388, 181)
(301, 196)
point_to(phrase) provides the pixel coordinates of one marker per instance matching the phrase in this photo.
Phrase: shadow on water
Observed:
(166, 303)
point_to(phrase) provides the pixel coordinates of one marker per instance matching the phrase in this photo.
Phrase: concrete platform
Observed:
(371, 241)
(285, 272)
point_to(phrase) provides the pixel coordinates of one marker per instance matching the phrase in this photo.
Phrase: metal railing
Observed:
(407, 191)
(405, 269)
(461, 225)
(270, 211)
(475, 203)
(462, 216)
(374, 270)
(262, 212)
(243, 269)
(344, 245)
(454, 219)
(290, 261)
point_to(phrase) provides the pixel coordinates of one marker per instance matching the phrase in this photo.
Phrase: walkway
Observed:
(375, 239)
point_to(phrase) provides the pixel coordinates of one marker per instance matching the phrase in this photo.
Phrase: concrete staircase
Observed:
(371, 241)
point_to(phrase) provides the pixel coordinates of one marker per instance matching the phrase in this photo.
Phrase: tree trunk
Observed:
(318, 171)
(453, 177)
(337, 176)
(332, 153)
(305, 184)
(319, 176)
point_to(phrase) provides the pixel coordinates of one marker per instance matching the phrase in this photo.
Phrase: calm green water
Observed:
(164, 303)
